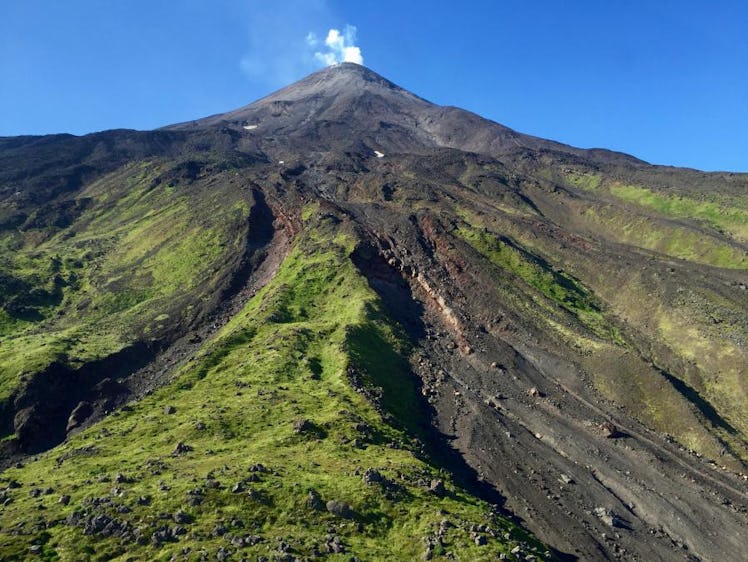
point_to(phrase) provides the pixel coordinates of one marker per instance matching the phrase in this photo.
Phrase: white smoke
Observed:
(275, 52)
(279, 49)
(340, 47)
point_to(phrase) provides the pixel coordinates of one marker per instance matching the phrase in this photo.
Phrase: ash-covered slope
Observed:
(562, 331)
(374, 111)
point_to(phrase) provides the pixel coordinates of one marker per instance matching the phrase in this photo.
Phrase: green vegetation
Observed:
(129, 266)
(728, 218)
(379, 352)
(665, 237)
(271, 388)
(553, 284)
(726, 214)
(588, 181)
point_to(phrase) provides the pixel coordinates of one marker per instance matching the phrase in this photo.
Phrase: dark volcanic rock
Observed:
(437, 487)
(314, 501)
(372, 476)
(28, 425)
(511, 265)
(609, 430)
(302, 426)
(181, 449)
(182, 517)
(79, 414)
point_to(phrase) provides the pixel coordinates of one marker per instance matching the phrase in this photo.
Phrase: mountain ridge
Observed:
(344, 275)
(348, 80)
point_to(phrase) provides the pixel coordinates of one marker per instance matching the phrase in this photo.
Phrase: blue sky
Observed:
(664, 80)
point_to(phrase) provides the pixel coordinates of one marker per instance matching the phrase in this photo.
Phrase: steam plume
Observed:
(340, 47)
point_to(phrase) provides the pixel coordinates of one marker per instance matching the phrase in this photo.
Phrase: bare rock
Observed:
(122, 479)
(480, 540)
(566, 479)
(535, 393)
(610, 517)
(302, 426)
(334, 545)
(28, 426)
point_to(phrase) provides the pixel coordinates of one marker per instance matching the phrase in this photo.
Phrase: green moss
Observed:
(588, 182)
(558, 286)
(379, 353)
(728, 218)
(285, 357)
(665, 237)
(138, 254)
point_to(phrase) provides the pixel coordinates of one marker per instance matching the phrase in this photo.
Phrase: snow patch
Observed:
(378, 154)
(250, 127)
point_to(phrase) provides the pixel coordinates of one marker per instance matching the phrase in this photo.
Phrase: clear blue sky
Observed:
(664, 80)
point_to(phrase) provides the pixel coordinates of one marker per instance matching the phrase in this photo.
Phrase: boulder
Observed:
(437, 487)
(79, 414)
(314, 500)
(340, 509)
(302, 426)
(182, 517)
(372, 476)
(181, 449)
(608, 430)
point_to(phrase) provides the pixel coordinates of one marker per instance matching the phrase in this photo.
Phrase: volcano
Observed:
(345, 322)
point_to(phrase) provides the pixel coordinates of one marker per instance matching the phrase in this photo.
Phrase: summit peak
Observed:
(336, 87)
(336, 78)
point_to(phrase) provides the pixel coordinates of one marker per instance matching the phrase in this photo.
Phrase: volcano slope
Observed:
(345, 322)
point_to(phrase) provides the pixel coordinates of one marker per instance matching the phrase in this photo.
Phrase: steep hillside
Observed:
(343, 321)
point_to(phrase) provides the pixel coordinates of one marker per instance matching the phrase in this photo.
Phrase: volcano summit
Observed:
(345, 322)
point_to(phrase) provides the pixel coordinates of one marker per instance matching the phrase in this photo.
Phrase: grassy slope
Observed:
(638, 225)
(129, 267)
(727, 216)
(626, 326)
(700, 327)
(283, 358)
(608, 353)
(557, 286)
